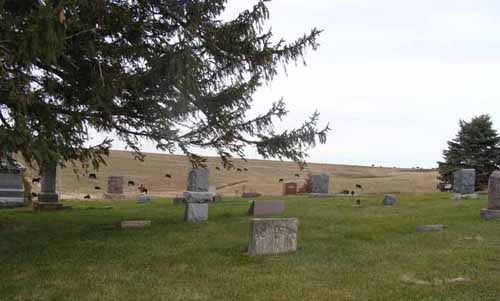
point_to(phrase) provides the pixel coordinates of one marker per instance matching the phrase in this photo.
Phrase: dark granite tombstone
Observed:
(266, 207)
(464, 181)
(320, 183)
(493, 210)
(115, 188)
(11, 185)
(48, 198)
(272, 236)
(198, 179)
(389, 200)
(290, 188)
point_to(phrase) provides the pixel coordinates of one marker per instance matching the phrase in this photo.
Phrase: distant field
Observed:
(262, 176)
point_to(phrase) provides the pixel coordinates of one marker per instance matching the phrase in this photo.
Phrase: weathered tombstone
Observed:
(389, 200)
(196, 212)
(320, 183)
(430, 228)
(272, 236)
(198, 179)
(115, 188)
(11, 185)
(133, 224)
(48, 198)
(493, 210)
(197, 195)
(142, 198)
(266, 207)
(464, 181)
(290, 188)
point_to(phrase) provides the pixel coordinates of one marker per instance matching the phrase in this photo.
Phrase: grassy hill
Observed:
(262, 176)
(370, 252)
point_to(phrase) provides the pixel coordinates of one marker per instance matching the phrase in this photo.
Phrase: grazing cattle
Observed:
(217, 168)
(352, 192)
(359, 186)
(87, 197)
(35, 180)
(131, 183)
(245, 169)
(297, 175)
(345, 191)
(280, 180)
(143, 189)
(239, 169)
(92, 176)
(97, 187)
(168, 176)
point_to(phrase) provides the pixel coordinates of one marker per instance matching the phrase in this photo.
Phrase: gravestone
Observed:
(266, 207)
(133, 224)
(430, 228)
(48, 198)
(464, 181)
(290, 188)
(115, 188)
(272, 236)
(493, 210)
(319, 185)
(11, 185)
(389, 200)
(197, 195)
(142, 198)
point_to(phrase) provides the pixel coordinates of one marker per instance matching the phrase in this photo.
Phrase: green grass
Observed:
(345, 253)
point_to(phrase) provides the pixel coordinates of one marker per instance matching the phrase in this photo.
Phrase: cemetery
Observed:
(192, 150)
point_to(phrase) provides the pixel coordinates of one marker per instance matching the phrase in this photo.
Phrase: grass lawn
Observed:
(344, 253)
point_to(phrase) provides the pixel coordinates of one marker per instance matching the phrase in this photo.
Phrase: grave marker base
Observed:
(489, 214)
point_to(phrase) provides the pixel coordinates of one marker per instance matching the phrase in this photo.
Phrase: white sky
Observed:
(392, 77)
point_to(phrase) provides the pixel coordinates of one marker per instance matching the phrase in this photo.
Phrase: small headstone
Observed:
(464, 181)
(389, 200)
(320, 183)
(266, 207)
(430, 228)
(133, 224)
(11, 186)
(115, 185)
(198, 179)
(493, 210)
(196, 212)
(290, 188)
(272, 236)
(142, 198)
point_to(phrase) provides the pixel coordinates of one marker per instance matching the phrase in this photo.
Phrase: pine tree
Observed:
(171, 72)
(477, 145)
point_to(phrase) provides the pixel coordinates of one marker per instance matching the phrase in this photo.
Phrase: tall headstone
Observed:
(464, 181)
(48, 198)
(272, 235)
(11, 184)
(493, 210)
(320, 183)
(197, 196)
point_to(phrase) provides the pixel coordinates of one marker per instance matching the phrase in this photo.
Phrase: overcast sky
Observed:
(392, 77)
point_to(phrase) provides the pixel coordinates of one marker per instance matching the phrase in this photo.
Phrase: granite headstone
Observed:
(272, 235)
(464, 181)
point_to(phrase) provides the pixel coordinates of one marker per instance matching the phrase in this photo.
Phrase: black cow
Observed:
(35, 180)
(97, 187)
(245, 169)
(131, 183)
(92, 176)
(352, 193)
(87, 197)
(297, 175)
(359, 186)
(143, 189)
(239, 169)
(217, 168)
(280, 180)
(168, 176)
